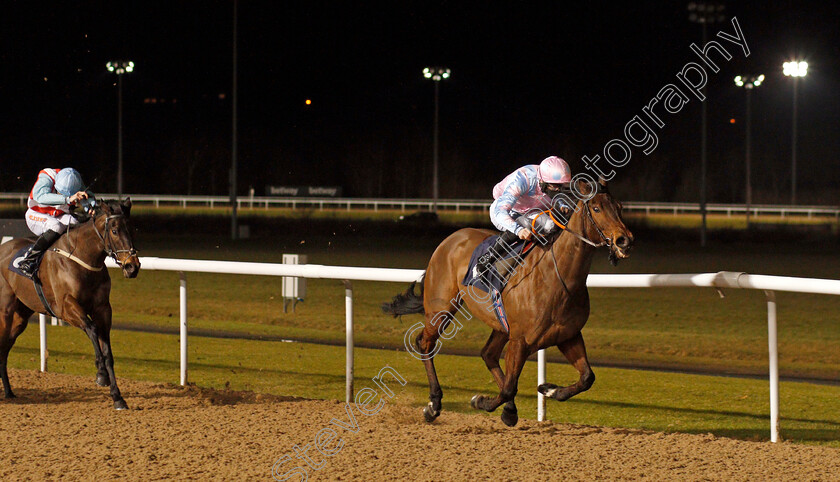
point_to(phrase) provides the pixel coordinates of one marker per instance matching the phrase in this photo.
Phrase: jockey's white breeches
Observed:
(38, 223)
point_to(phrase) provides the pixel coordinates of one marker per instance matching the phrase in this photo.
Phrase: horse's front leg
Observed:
(575, 351)
(101, 317)
(491, 353)
(517, 354)
(73, 313)
(102, 378)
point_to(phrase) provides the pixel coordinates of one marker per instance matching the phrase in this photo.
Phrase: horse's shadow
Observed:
(34, 396)
(58, 396)
(829, 433)
(701, 411)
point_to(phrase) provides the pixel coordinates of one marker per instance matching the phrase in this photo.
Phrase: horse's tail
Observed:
(406, 303)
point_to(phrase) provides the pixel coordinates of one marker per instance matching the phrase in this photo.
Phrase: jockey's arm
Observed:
(503, 206)
(42, 192)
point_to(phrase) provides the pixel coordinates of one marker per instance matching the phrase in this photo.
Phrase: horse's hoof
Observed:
(548, 389)
(429, 413)
(10, 395)
(475, 400)
(120, 405)
(510, 417)
(103, 380)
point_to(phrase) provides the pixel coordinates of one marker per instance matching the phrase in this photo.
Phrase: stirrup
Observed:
(480, 268)
(27, 269)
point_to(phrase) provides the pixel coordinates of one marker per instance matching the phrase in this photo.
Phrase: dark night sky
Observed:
(527, 81)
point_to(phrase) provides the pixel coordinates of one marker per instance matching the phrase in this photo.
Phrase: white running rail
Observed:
(349, 204)
(721, 280)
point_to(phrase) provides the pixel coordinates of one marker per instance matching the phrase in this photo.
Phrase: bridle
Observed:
(605, 241)
(108, 243)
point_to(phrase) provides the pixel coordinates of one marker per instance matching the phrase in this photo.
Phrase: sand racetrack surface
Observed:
(64, 427)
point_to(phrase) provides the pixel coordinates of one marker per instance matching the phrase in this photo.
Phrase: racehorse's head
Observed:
(603, 221)
(111, 220)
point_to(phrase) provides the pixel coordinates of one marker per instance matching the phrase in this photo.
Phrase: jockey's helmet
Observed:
(68, 181)
(554, 170)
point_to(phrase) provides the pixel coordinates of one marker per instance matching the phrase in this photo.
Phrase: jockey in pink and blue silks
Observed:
(54, 194)
(524, 192)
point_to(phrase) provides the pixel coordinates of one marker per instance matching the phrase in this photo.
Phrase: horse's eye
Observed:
(596, 209)
(114, 231)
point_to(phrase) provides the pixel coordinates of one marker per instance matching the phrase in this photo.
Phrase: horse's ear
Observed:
(584, 189)
(602, 181)
(126, 206)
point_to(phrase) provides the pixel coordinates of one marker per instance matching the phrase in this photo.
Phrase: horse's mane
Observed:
(114, 207)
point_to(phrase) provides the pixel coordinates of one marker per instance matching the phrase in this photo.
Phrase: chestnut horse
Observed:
(76, 285)
(546, 300)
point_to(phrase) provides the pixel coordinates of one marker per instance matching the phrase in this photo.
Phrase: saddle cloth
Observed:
(494, 279)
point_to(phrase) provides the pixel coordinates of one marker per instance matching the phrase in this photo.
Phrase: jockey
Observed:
(525, 191)
(54, 194)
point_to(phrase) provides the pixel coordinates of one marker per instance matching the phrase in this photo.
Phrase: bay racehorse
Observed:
(546, 300)
(76, 285)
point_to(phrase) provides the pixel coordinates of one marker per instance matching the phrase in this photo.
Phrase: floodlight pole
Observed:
(703, 162)
(119, 67)
(704, 13)
(119, 138)
(793, 146)
(747, 156)
(436, 74)
(233, 227)
(748, 82)
(794, 69)
(435, 147)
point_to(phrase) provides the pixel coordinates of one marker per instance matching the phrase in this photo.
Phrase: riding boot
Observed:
(495, 252)
(29, 264)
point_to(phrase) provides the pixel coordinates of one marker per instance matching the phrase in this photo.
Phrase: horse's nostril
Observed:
(623, 242)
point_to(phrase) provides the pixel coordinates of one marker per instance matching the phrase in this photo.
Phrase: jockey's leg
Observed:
(29, 264)
(502, 246)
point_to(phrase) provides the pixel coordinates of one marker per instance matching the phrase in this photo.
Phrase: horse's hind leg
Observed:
(14, 320)
(491, 353)
(426, 344)
(575, 351)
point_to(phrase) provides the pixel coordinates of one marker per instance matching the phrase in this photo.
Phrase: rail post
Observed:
(773, 348)
(42, 327)
(183, 294)
(540, 381)
(348, 319)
